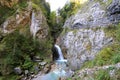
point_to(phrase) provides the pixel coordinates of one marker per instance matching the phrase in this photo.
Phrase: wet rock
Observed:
(25, 78)
(32, 76)
(47, 68)
(18, 70)
(26, 72)
(36, 59)
(42, 63)
(36, 68)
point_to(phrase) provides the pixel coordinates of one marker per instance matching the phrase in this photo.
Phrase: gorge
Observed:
(88, 46)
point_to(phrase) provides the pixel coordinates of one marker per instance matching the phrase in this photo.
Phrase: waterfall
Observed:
(34, 25)
(59, 52)
(59, 71)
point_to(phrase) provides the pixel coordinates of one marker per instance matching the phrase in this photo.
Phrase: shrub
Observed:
(16, 51)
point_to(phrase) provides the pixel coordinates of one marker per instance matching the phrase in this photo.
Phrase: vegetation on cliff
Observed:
(18, 48)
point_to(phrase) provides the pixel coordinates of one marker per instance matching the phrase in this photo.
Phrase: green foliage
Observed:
(43, 5)
(10, 77)
(111, 68)
(67, 10)
(101, 59)
(16, 51)
(102, 75)
(110, 54)
(21, 5)
(116, 58)
(6, 12)
(105, 54)
(27, 63)
(113, 31)
(35, 7)
(55, 24)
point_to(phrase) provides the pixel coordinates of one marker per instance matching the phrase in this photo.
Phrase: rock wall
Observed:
(39, 27)
(24, 17)
(27, 18)
(8, 3)
(84, 36)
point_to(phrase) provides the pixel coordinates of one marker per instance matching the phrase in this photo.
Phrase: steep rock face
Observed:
(19, 18)
(38, 26)
(83, 45)
(114, 11)
(27, 16)
(8, 3)
(84, 36)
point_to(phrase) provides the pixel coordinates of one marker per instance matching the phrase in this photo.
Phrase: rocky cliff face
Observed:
(20, 21)
(25, 15)
(8, 3)
(84, 36)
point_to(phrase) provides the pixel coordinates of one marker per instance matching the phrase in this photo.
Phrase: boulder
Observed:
(18, 70)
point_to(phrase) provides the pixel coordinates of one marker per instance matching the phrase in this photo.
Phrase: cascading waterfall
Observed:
(59, 52)
(60, 67)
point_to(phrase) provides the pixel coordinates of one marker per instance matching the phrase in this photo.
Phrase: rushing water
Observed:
(59, 71)
(59, 53)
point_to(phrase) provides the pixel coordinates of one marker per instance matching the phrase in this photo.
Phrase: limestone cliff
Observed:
(24, 28)
(84, 36)
(25, 13)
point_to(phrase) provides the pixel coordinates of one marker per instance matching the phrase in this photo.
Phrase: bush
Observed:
(16, 51)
